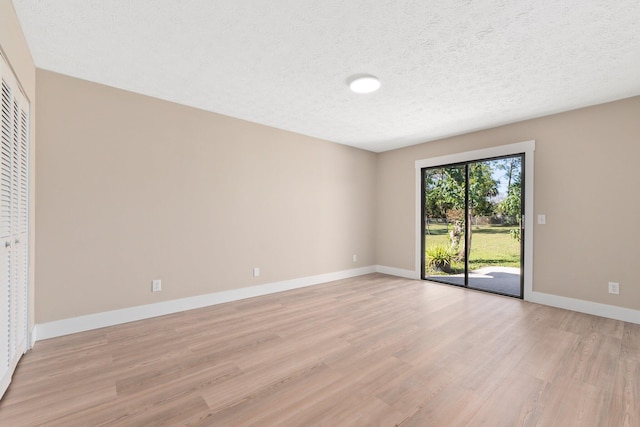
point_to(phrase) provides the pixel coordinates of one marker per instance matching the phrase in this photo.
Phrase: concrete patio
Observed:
(504, 280)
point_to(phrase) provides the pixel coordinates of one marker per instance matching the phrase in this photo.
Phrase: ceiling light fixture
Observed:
(364, 83)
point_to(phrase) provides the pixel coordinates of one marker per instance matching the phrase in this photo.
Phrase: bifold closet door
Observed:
(14, 161)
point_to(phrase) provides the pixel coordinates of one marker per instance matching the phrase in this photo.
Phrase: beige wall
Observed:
(586, 174)
(132, 188)
(14, 48)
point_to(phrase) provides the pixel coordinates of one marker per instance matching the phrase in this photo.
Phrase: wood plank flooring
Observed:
(369, 351)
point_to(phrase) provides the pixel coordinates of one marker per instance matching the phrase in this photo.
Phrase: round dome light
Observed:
(364, 84)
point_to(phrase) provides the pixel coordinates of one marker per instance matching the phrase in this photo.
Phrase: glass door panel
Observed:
(444, 224)
(494, 218)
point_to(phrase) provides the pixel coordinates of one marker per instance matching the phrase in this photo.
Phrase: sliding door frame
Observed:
(468, 224)
(527, 148)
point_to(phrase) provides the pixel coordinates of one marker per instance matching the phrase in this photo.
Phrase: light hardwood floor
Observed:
(373, 350)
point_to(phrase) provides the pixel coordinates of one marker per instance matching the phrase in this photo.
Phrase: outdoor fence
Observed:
(479, 220)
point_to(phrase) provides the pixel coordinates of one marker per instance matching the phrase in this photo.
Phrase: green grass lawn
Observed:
(490, 245)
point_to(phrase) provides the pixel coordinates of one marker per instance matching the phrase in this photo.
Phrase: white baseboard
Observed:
(392, 271)
(588, 307)
(100, 320)
(109, 318)
(582, 306)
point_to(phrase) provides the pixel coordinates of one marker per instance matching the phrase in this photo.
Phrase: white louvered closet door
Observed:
(14, 186)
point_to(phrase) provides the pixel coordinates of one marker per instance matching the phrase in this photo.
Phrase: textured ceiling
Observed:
(446, 67)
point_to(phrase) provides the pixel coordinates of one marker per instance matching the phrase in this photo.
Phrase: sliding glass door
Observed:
(472, 228)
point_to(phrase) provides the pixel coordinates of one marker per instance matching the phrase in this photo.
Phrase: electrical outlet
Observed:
(355, 258)
(256, 271)
(614, 288)
(156, 285)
